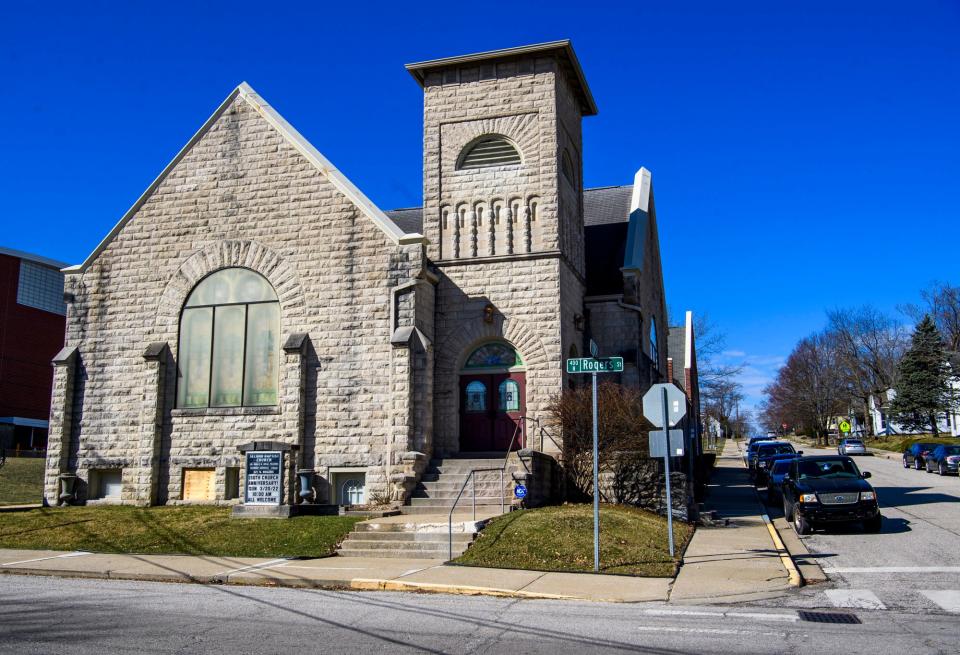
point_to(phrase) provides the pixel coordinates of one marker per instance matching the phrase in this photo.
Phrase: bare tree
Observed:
(720, 393)
(868, 345)
(942, 302)
(808, 390)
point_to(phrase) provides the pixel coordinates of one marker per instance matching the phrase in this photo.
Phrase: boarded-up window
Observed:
(199, 484)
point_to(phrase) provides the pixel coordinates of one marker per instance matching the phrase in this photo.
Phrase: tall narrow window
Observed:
(229, 342)
(654, 352)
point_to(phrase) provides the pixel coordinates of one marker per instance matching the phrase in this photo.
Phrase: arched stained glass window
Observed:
(229, 342)
(509, 395)
(494, 355)
(476, 397)
(492, 150)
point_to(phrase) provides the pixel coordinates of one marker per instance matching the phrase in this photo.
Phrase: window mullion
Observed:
(213, 331)
(243, 375)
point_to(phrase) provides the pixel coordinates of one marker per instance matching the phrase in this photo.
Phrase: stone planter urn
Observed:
(68, 488)
(306, 477)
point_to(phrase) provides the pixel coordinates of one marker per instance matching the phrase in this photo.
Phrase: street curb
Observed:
(796, 578)
(372, 584)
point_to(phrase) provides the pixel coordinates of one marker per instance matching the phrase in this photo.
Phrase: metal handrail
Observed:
(472, 478)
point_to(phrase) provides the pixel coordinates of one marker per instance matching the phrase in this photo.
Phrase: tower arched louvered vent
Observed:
(489, 151)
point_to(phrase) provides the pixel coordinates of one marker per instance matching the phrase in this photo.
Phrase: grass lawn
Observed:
(899, 443)
(171, 530)
(632, 541)
(21, 481)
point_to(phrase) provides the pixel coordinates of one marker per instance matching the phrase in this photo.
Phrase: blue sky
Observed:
(804, 156)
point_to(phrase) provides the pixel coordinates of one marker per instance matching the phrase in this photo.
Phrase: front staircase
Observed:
(421, 532)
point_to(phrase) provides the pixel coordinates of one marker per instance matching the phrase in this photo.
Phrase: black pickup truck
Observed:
(829, 489)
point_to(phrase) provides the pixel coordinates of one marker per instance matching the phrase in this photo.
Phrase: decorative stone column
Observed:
(61, 422)
(147, 474)
(293, 388)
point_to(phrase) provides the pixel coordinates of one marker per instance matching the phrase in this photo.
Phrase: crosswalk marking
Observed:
(948, 600)
(855, 598)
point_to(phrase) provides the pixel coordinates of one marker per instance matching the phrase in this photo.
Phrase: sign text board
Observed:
(591, 365)
(263, 482)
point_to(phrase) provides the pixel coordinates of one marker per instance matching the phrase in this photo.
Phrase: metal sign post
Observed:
(596, 484)
(664, 405)
(666, 469)
(593, 365)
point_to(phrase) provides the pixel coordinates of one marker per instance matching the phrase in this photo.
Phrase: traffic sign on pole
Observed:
(676, 404)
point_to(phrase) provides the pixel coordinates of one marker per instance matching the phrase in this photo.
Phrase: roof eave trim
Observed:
(416, 69)
(291, 135)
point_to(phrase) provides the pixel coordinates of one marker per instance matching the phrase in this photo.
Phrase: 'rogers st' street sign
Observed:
(592, 365)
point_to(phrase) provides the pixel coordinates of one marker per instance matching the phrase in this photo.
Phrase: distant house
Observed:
(948, 423)
(32, 315)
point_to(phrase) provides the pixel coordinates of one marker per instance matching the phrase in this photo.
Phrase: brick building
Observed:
(254, 293)
(31, 332)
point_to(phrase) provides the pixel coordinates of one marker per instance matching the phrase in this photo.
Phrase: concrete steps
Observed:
(410, 537)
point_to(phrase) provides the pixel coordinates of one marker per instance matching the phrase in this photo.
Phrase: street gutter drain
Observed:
(829, 617)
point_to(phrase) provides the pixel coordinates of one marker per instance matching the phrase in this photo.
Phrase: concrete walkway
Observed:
(737, 563)
(361, 573)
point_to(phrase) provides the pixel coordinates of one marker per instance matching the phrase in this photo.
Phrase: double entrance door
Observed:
(491, 405)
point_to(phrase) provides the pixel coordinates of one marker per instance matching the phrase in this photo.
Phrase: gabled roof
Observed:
(563, 48)
(294, 138)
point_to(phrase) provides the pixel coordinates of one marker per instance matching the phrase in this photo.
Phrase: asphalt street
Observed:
(913, 565)
(44, 615)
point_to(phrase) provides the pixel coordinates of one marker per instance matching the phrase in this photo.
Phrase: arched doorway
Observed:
(492, 398)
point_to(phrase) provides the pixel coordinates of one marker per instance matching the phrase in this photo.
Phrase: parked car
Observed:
(764, 457)
(943, 460)
(751, 455)
(915, 453)
(851, 447)
(775, 479)
(828, 490)
(752, 448)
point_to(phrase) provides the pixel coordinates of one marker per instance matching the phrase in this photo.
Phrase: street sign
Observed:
(520, 491)
(676, 404)
(592, 365)
(658, 443)
(844, 426)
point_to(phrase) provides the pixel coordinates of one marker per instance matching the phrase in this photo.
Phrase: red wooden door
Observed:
(490, 408)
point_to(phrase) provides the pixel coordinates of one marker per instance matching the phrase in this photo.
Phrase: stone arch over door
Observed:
(452, 354)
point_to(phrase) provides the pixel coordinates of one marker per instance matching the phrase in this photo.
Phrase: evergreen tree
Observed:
(922, 391)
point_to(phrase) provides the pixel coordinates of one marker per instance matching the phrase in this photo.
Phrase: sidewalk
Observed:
(736, 563)
(360, 573)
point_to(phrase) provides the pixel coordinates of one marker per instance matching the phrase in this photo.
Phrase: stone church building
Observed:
(253, 293)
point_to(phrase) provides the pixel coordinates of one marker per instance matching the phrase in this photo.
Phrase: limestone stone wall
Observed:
(500, 210)
(242, 196)
(527, 314)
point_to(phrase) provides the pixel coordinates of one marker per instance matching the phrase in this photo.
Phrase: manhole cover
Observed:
(829, 617)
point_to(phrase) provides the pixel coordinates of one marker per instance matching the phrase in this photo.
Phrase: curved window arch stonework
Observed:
(493, 355)
(229, 342)
(487, 151)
